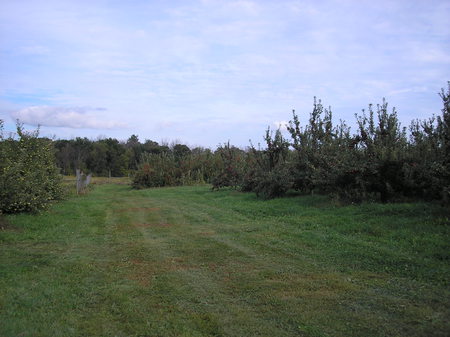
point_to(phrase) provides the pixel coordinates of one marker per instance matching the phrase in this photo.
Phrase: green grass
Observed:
(191, 262)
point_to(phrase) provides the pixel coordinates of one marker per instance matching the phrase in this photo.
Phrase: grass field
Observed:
(187, 261)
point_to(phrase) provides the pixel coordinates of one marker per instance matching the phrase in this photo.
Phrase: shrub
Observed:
(269, 174)
(178, 165)
(272, 184)
(316, 149)
(427, 170)
(230, 167)
(29, 178)
(156, 170)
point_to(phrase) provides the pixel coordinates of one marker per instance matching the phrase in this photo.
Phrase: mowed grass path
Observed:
(191, 262)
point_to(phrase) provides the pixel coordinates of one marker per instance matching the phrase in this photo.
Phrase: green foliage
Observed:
(230, 166)
(177, 166)
(444, 135)
(383, 148)
(378, 162)
(315, 149)
(270, 176)
(427, 170)
(29, 179)
(156, 170)
(104, 157)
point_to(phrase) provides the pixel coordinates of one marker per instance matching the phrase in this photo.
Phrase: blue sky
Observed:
(205, 72)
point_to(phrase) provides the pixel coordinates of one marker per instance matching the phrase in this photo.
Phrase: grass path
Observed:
(191, 262)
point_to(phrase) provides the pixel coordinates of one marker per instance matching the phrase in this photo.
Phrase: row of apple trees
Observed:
(381, 161)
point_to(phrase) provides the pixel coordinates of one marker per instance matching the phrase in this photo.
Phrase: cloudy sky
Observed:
(205, 72)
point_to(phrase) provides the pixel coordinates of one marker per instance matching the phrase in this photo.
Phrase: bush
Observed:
(156, 170)
(268, 172)
(427, 171)
(230, 167)
(315, 146)
(29, 178)
(272, 184)
(175, 166)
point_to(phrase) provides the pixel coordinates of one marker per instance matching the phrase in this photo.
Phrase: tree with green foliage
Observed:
(382, 147)
(444, 133)
(155, 170)
(427, 171)
(29, 178)
(316, 147)
(174, 166)
(229, 166)
(133, 151)
(270, 175)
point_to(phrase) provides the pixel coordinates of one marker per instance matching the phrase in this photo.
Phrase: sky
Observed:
(206, 72)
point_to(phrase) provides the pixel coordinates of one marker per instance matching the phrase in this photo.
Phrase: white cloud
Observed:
(73, 117)
(282, 125)
(417, 89)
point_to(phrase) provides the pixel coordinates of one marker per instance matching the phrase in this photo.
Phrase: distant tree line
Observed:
(381, 161)
(175, 163)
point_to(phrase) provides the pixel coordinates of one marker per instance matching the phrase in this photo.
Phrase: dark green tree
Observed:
(270, 175)
(229, 166)
(29, 178)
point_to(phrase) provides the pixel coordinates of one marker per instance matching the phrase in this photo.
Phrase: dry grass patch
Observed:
(137, 209)
(144, 225)
(313, 286)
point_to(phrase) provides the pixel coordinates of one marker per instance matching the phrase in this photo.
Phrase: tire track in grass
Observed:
(176, 260)
(210, 279)
(243, 281)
